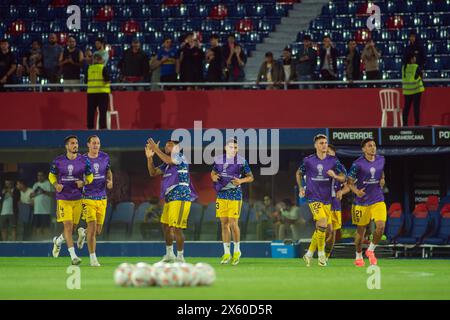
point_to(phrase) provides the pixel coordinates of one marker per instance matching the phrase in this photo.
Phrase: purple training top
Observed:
(367, 174)
(67, 172)
(318, 183)
(100, 166)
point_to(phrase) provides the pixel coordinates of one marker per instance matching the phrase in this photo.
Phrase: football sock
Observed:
(180, 253)
(226, 247)
(359, 255)
(169, 250)
(72, 253)
(320, 236)
(237, 247)
(313, 245)
(93, 257)
(60, 240)
(372, 247)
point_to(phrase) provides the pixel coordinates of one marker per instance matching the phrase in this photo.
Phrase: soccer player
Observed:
(338, 189)
(366, 180)
(229, 172)
(69, 173)
(319, 169)
(94, 197)
(177, 192)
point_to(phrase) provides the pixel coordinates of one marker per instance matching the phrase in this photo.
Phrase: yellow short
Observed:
(176, 213)
(94, 210)
(228, 208)
(320, 211)
(68, 210)
(361, 215)
(336, 219)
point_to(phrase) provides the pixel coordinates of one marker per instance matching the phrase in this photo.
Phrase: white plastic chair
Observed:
(111, 112)
(390, 102)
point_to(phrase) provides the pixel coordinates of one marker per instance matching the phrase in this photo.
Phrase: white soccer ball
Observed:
(207, 274)
(122, 274)
(142, 275)
(162, 275)
(188, 272)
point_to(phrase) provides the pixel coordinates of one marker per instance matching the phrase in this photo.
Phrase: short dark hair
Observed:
(3, 40)
(307, 37)
(167, 38)
(320, 136)
(101, 40)
(92, 137)
(287, 49)
(173, 141)
(332, 147)
(214, 36)
(365, 141)
(269, 54)
(231, 35)
(326, 36)
(72, 136)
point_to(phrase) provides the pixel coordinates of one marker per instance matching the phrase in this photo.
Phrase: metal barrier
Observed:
(244, 85)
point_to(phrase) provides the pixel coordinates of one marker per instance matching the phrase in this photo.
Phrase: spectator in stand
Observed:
(235, 60)
(290, 215)
(214, 58)
(134, 65)
(307, 62)
(288, 67)
(9, 202)
(328, 60)
(155, 71)
(42, 195)
(32, 62)
(25, 192)
(415, 48)
(370, 57)
(168, 59)
(100, 48)
(270, 71)
(191, 60)
(8, 64)
(412, 88)
(50, 57)
(352, 62)
(267, 218)
(71, 61)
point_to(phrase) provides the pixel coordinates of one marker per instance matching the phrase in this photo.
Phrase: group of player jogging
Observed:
(81, 182)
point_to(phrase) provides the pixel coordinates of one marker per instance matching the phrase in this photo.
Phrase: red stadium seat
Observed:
(362, 10)
(105, 13)
(432, 203)
(244, 25)
(420, 211)
(62, 38)
(395, 210)
(173, 2)
(17, 27)
(395, 23)
(362, 36)
(288, 1)
(219, 12)
(130, 27)
(445, 211)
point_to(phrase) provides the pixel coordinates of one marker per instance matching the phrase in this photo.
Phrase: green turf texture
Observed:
(253, 278)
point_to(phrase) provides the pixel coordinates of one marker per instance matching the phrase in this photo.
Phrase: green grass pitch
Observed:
(253, 278)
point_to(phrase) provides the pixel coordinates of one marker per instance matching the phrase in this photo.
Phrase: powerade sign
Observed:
(442, 136)
(406, 137)
(351, 136)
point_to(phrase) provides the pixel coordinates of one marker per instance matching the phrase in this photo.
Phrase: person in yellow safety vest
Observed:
(412, 88)
(98, 83)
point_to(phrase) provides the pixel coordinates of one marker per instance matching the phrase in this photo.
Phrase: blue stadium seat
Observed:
(210, 226)
(419, 228)
(443, 234)
(121, 220)
(236, 11)
(443, 201)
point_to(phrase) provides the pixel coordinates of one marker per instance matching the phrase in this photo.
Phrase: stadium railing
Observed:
(41, 87)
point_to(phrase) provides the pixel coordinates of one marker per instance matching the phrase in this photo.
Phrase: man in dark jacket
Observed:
(328, 60)
(9, 212)
(270, 71)
(414, 48)
(352, 62)
(307, 62)
(134, 66)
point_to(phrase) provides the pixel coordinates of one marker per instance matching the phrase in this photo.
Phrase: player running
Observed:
(366, 180)
(69, 173)
(229, 172)
(338, 189)
(177, 192)
(319, 169)
(94, 197)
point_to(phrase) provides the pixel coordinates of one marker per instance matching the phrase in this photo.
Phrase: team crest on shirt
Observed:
(70, 169)
(96, 167)
(320, 170)
(372, 172)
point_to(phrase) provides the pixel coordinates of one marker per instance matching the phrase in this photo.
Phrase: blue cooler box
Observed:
(284, 250)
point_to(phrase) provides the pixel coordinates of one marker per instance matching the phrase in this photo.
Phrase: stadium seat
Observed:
(106, 13)
(419, 225)
(219, 12)
(121, 220)
(138, 219)
(210, 226)
(194, 220)
(395, 222)
(444, 200)
(432, 203)
(443, 234)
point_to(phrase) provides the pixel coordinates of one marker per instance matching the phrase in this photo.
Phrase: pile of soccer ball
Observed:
(164, 274)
